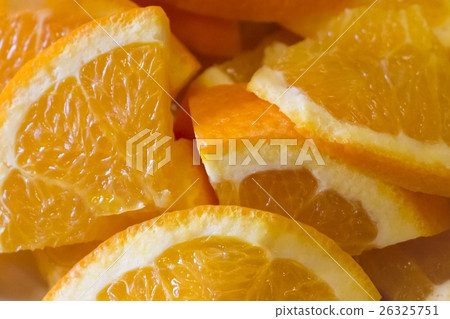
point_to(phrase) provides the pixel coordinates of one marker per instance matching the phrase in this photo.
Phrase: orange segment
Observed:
(377, 102)
(216, 253)
(323, 196)
(415, 270)
(66, 118)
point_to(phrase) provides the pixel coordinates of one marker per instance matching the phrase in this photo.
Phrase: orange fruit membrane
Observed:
(418, 269)
(216, 253)
(377, 99)
(355, 210)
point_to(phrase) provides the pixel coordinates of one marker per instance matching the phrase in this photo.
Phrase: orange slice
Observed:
(66, 118)
(356, 211)
(415, 270)
(216, 253)
(377, 102)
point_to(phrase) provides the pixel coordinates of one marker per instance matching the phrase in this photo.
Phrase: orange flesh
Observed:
(372, 81)
(218, 268)
(205, 35)
(71, 146)
(409, 271)
(92, 127)
(27, 34)
(346, 222)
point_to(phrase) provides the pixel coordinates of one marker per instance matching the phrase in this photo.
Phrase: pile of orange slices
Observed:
(225, 150)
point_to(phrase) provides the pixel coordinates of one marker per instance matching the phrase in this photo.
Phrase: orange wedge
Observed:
(65, 122)
(377, 102)
(415, 270)
(216, 253)
(356, 211)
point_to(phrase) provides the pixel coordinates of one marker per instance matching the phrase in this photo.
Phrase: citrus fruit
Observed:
(415, 270)
(216, 253)
(355, 210)
(376, 99)
(20, 278)
(66, 119)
